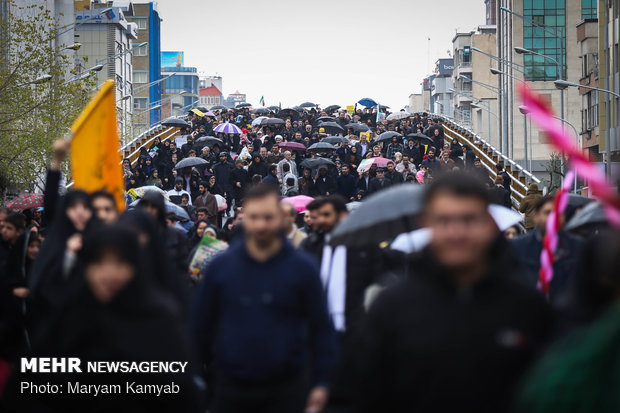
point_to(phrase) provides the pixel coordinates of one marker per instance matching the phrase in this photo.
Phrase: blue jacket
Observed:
(347, 186)
(528, 248)
(261, 319)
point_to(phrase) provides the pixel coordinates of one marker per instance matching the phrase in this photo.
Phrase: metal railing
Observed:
(473, 140)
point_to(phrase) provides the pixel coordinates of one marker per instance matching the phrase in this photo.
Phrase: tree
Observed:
(41, 94)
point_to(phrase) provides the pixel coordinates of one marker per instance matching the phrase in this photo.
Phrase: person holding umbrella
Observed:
(222, 171)
(463, 277)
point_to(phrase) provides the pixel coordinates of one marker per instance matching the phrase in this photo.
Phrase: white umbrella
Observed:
(399, 115)
(415, 241)
(258, 120)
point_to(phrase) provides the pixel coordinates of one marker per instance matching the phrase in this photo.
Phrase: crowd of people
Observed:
(283, 319)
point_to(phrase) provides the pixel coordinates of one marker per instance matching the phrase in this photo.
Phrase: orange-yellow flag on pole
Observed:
(95, 150)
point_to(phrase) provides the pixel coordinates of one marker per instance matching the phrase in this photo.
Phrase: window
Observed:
(139, 103)
(141, 24)
(141, 51)
(140, 77)
(544, 32)
(588, 9)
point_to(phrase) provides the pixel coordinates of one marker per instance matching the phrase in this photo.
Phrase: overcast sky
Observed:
(324, 51)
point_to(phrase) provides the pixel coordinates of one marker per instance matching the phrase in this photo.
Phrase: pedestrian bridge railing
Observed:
(490, 156)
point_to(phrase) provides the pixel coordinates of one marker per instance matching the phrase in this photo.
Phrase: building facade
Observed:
(234, 99)
(180, 91)
(609, 79)
(587, 37)
(107, 39)
(210, 96)
(547, 28)
(474, 103)
(146, 67)
(441, 86)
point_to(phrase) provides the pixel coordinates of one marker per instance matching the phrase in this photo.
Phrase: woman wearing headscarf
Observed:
(16, 305)
(158, 264)
(54, 279)
(119, 314)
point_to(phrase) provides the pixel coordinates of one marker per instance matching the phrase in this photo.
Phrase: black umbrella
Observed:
(298, 108)
(261, 111)
(288, 113)
(330, 125)
(202, 109)
(357, 127)
(592, 214)
(189, 162)
(308, 105)
(331, 108)
(381, 217)
(272, 121)
(334, 140)
(387, 136)
(218, 107)
(314, 163)
(209, 140)
(273, 108)
(420, 136)
(326, 119)
(577, 201)
(244, 105)
(175, 122)
(383, 107)
(321, 146)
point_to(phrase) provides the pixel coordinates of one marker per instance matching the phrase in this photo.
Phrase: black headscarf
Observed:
(157, 264)
(49, 286)
(138, 324)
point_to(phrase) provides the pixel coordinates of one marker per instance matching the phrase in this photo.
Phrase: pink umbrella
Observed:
(210, 114)
(300, 201)
(381, 162)
(292, 146)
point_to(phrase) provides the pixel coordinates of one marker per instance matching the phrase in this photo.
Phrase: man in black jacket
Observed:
(458, 332)
(346, 183)
(379, 182)
(323, 183)
(394, 176)
(222, 171)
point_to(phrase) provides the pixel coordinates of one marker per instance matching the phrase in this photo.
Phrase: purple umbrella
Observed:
(227, 128)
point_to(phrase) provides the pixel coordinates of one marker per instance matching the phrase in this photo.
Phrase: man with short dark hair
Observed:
(505, 176)
(206, 200)
(529, 246)
(429, 339)
(259, 313)
(379, 182)
(176, 193)
(394, 176)
(272, 176)
(347, 184)
(323, 183)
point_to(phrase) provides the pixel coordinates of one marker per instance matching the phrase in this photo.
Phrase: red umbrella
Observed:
(292, 146)
(381, 162)
(26, 201)
(300, 201)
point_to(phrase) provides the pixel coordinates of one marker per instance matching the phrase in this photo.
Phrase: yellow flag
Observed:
(95, 150)
(197, 112)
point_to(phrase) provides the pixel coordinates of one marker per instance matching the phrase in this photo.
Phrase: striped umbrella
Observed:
(227, 128)
(26, 201)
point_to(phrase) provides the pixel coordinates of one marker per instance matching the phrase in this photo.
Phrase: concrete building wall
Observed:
(416, 102)
(540, 150)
